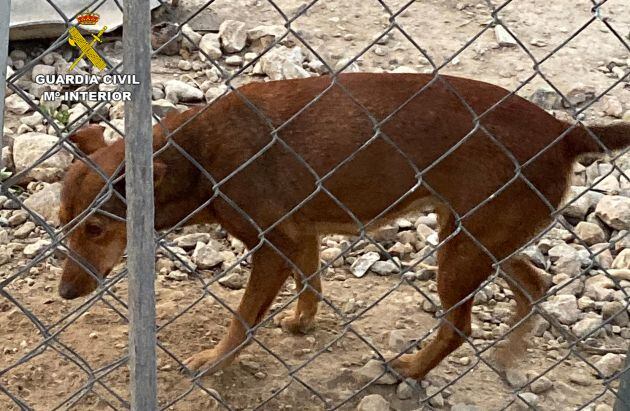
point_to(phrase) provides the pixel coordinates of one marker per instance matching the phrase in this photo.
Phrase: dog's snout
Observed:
(68, 291)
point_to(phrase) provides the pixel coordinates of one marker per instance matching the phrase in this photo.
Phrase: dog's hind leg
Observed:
(528, 285)
(462, 268)
(269, 273)
(308, 285)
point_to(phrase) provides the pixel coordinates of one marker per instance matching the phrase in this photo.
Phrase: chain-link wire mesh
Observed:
(73, 354)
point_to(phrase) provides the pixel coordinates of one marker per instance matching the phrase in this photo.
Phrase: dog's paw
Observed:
(294, 323)
(207, 361)
(407, 366)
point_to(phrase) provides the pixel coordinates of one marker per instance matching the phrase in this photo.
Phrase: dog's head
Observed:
(97, 239)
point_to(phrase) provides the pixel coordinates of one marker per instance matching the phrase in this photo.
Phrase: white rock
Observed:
(614, 211)
(177, 91)
(622, 260)
(283, 63)
(205, 256)
(384, 267)
(211, 46)
(42, 69)
(504, 38)
(590, 233)
(599, 288)
(541, 385)
(373, 369)
(233, 36)
(15, 104)
(234, 60)
(33, 120)
(586, 326)
(263, 36)
(187, 241)
(609, 364)
(564, 307)
(373, 402)
(613, 107)
(233, 280)
(362, 264)
(527, 401)
(190, 38)
(46, 202)
(28, 150)
(32, 250)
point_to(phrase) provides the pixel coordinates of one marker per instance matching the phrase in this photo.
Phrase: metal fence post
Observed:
(623, 401)
(140, 212)
(5, 18)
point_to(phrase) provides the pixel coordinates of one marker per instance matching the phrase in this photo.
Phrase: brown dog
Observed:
(427, 149)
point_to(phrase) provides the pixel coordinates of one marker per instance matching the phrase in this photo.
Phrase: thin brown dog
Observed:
(483, 209)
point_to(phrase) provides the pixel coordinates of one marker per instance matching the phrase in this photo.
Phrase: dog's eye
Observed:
(93, 230)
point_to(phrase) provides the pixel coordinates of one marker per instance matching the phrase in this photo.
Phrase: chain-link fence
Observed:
(259, 159)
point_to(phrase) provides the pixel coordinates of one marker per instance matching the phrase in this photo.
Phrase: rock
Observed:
(24, 230)
(527, 401)
(541, 385)
(614, 211)
(546, 98)
(46, 202)
(190, 38)
(32, 250)
(599, 288)
(233, 280)
(233, 36)
(214, 93)
(620, 274)
(373, 402)
(580, 378)
(234, 60)
(42, 69)
(580, 95)
(504, 38)
(613, 107)
(622, 260)
(617, 311)
(261, 37)
(161, 36)
(30, 147)
(161, 107)
(184, 65)
(587, 325)
(331, 255)
(563, 307)
(590, 233)
(464, 407)
(177, 275)
(18, 217)
(582, 204)
(188, 241)
(435, 396)
(384, 267)
(362, 264)
(283, 63)
(407, 389)
(15, 104)
(177, 91)
(397, 340)
(210, 46)
(609, 185)
(609, 364)
(516, 377)
(33, 120)
(205, 256)
(373, 369)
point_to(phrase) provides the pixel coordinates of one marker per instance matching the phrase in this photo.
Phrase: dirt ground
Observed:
(333, 351)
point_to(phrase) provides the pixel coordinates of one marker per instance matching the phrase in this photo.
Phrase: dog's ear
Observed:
(89, 138)
(159, 171)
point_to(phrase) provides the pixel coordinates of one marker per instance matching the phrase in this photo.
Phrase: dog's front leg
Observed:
(268, 274)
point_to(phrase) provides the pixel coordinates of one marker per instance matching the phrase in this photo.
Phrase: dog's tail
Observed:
(615, 136)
